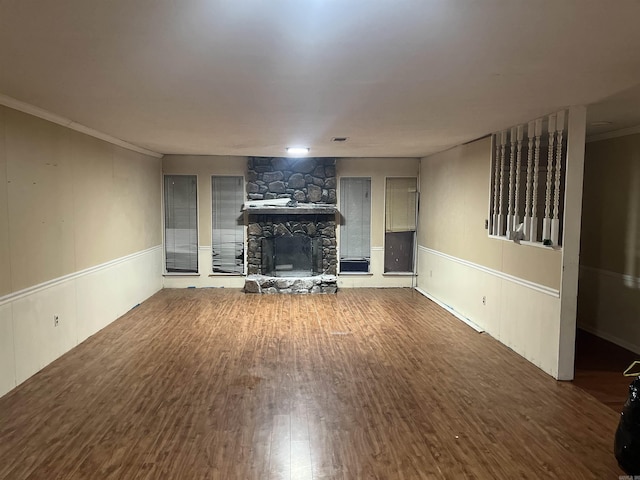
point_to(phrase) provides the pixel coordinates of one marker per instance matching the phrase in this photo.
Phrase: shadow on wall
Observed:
(609, 284)
(632, 244)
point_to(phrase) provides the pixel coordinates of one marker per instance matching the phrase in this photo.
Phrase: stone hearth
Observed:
(315, 284)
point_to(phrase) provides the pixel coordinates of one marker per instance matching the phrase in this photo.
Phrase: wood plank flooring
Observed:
(599, 367)
(365, 384)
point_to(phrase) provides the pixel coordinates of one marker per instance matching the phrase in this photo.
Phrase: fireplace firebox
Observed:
(294, 256)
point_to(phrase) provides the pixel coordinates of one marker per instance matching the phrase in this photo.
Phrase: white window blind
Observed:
(227, 235)
(181, 223)
(400, 204)
(355, 207)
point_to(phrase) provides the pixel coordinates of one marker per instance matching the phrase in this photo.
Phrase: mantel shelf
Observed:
(306, 209)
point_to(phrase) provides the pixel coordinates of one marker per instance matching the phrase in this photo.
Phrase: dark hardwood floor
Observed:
(368, 383)
(599, 367)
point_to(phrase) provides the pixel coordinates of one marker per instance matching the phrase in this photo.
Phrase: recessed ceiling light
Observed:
(600, 123)
(297, 150)
(339, 139)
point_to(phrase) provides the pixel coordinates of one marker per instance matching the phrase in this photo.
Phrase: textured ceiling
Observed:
(250, 77)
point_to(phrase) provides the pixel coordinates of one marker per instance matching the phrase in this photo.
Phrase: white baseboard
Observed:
(451, 310)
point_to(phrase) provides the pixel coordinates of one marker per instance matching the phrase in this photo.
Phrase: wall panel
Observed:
(7, 351)
(5, 259)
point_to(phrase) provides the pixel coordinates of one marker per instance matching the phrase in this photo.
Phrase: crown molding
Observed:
(65, 122)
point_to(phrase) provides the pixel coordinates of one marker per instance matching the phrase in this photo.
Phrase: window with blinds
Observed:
(227, 233)
(401, 200)
(181, 223)
(355, 230)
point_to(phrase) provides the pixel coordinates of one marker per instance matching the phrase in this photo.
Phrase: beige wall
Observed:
(455, 189)
(611, 205)
(609, 287)
(510, 291)
(69, 201)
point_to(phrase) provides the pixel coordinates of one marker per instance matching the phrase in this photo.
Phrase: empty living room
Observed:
(317, 239)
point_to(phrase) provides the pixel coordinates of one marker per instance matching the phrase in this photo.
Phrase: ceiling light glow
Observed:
(297, 150)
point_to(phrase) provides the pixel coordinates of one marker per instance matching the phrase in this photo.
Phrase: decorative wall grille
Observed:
(527, 181)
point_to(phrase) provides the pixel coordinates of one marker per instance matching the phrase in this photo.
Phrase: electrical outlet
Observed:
(484, 300)
(430, 273)
(56, 320)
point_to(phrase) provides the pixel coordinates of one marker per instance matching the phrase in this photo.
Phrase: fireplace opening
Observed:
(291, 256)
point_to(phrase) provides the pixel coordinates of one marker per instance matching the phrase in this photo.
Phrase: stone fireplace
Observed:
(291, 219)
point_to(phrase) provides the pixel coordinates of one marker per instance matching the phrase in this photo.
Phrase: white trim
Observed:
(572, 214)
(504, 276)
(610, 338)
(72, 276)
(451, 310)
(615, 134)
(628, 280)
(65, 122)
(377, 249)
(180, 274)
(204, 248)
(527, 243)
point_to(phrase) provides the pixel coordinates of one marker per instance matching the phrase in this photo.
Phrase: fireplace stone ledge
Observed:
(296, 285)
